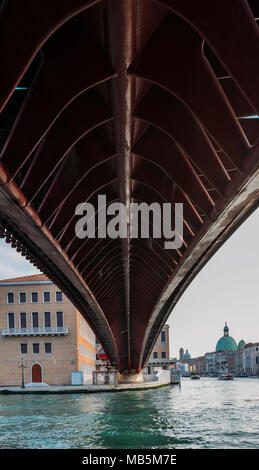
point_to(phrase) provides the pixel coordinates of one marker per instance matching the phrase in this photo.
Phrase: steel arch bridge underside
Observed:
(141, 101)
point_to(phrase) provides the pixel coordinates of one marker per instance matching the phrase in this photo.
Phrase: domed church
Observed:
(226, 342)
(241, 344)
(187, 355)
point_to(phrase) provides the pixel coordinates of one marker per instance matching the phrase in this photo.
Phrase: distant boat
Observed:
(225, 376)
(195, 377)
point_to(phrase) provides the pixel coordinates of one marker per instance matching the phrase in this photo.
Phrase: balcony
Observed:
(161, 362)
(48, 331)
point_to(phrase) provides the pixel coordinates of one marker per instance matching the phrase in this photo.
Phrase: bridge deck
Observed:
(139, 101)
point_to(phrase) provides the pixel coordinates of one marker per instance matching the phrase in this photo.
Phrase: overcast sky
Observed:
(226, 289)
(12, 264)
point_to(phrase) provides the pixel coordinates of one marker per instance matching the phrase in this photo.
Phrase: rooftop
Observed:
(251, 345)
(32, 279)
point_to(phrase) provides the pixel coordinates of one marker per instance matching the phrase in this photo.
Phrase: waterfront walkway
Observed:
(163, 380)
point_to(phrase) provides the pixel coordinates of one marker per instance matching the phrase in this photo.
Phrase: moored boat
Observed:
(195, 377)
(225, 376)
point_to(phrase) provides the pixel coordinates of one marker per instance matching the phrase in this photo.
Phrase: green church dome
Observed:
(187, 355)
(226, 343)
(241, 344)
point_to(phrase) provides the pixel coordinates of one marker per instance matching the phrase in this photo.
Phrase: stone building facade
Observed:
(160, 354)
(161, 349)
(40, 325)
(210, 360)
(250, 359)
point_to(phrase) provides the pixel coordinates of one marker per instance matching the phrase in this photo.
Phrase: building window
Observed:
(24, 348)
(35, 348)
(34, 297)
(11, 321)
(35, 320)
(46, 297)
(163, 339)
(59, 296)
(47, 320)
(163, 355)
(22, 297)
(155, 355)
(60, 322)
(48, 348)
(23, 320)
(10, 298)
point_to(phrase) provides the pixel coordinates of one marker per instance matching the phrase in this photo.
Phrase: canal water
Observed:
(205, 413)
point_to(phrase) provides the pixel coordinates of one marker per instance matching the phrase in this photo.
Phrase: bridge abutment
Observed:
(131, 378)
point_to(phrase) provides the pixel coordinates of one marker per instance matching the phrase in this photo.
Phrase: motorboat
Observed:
(225, 376)
(195, 377)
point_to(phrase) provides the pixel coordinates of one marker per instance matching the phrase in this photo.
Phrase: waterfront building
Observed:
(160, 355)
(250, 359)
(231, 361)
(239, 359)
(221, 363)
(39, 324)
(191, 362)
(184, 368)
(192, 365)
(196, 364)
(246, 359)
(210, 363)
(201, 365)
(225, 362)
(243, 361)
(161, 349)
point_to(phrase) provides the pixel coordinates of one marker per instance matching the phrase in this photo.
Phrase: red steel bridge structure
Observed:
(141, 101)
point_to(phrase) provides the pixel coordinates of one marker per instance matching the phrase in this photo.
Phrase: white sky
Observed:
(12, 264)
(227, 289)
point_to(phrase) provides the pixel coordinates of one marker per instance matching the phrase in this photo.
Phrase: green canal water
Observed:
(206, 413)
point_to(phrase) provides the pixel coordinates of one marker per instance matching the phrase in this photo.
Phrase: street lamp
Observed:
(22, 365)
